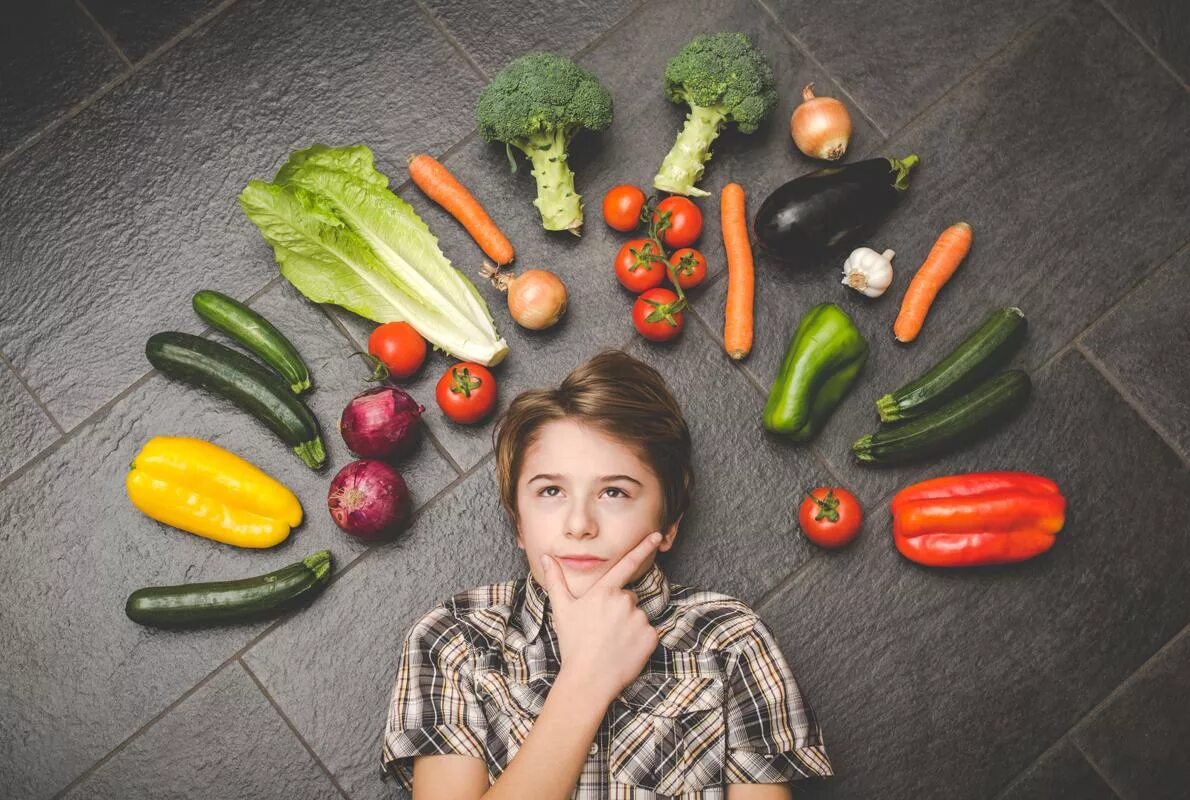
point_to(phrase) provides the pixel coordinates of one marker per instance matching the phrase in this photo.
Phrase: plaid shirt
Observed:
(716, 703)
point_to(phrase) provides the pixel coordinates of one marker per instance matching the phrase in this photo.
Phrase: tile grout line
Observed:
(293, 728)
(451, 40)
(1157, 56)
(1096, 769)
(1121, 687)
(6, 361)
(797, 43)
(107, 37)
(1126, 395)
(111, 85)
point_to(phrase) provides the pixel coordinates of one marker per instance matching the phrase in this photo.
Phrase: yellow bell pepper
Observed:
(203, 489)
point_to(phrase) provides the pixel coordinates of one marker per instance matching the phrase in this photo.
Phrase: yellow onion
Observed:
(821, 126)
(536, 297)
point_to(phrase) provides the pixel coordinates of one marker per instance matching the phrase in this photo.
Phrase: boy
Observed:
(594, 677)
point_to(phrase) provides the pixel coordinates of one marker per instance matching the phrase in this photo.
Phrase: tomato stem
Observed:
(828, 507)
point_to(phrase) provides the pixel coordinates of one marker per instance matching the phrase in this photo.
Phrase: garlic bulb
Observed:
(867, 271)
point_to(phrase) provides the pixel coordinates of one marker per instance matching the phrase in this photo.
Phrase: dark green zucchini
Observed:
(231, 601)
(246, 383)
(254, 332)
(960, 421)
(979, 355)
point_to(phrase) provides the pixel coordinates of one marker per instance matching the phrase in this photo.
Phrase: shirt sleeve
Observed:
(434, 710)
(772, 733)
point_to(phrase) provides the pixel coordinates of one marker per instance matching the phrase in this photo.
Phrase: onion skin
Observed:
(821, 126)
(536, 298)
(369, 500)
(381, 423)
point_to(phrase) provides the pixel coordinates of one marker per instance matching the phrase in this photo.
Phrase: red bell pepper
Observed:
(978, 518)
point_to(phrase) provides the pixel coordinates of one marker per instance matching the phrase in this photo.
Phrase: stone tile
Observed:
(494, 33)
(896, 58)
(337, 696)
(933, 682)
(1160, 24)
(224, 742)
(999, 159)
(1138, 740)
(141, 26)
(82, 677)
(51, 58)
(138, 193)
(1063, 772)
(25, 430)
(1143, 342)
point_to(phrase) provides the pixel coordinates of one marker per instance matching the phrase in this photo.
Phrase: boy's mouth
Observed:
(582, 563)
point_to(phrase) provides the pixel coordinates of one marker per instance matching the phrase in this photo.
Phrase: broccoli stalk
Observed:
(538, 103)
(721, 77)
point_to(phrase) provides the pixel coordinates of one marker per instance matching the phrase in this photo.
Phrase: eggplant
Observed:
(827, 207)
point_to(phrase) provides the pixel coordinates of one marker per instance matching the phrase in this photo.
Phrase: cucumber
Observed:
(230, 601)
(246, 383)
(962, 420)
(976, 357)
(254, 332)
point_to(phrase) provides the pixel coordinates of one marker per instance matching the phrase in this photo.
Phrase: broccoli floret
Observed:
(538, 103)
(721, 77)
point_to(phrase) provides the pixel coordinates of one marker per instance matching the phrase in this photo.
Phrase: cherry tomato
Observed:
(682, 220)
(466, 393)
(621, 207)
(830, 517)
(640, 265)
(399, 347)
(657, 315)
(690, 267)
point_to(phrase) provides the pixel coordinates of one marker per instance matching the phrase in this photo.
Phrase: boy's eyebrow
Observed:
(551, 476)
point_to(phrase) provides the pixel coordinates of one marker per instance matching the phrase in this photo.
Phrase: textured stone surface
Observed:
(1162, 25)
(51, 58)
(224, 742)
(138, 194)
(1145, 344)
(1063, 772)
(1138, 740)
(86, 677)
(934, 682)
(1061, 235)
(494, 33)
(139, 27)
(24, 427)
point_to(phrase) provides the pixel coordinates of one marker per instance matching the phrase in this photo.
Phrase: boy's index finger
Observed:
(554, 582)
(622, 571)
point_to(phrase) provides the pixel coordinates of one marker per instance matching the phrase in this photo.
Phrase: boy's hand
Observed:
(603, 637)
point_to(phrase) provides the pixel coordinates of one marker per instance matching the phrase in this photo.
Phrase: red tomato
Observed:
(683, 221)
(640, 265)
(466, 393)
(621, 207)
(830, 517)
(657, 315)
(690, 267)
(399, 347)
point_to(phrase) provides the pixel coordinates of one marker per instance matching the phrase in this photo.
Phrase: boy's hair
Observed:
(619, 396)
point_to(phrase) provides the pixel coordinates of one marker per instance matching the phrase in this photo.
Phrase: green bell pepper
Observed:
(825, 355)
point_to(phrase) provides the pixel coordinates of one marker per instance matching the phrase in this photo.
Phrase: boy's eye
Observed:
(619, 492)
(549, 491)
(546, 491)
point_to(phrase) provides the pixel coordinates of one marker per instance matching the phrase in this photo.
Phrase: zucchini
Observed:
(976, 357)
(255, 333)
(230, 601)
(960, 421)
(246, 383)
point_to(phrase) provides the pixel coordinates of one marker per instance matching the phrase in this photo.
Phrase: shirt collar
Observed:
(652, 591)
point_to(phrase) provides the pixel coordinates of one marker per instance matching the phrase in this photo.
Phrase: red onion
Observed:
(381, 423)
(369, 499)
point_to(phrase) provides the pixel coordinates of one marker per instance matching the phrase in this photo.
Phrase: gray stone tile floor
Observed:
(1058, 129)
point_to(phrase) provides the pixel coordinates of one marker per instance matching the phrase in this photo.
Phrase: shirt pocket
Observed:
(510, 708)
(668, 734)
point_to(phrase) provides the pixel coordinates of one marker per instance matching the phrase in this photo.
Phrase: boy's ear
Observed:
(671, 534)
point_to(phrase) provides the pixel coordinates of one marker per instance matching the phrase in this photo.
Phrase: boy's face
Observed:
(596, 502)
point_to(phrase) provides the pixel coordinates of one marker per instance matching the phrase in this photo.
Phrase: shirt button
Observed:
(593, 749)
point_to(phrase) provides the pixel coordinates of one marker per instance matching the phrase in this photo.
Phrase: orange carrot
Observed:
(737, 323)
(445, 189)
(944, 258)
